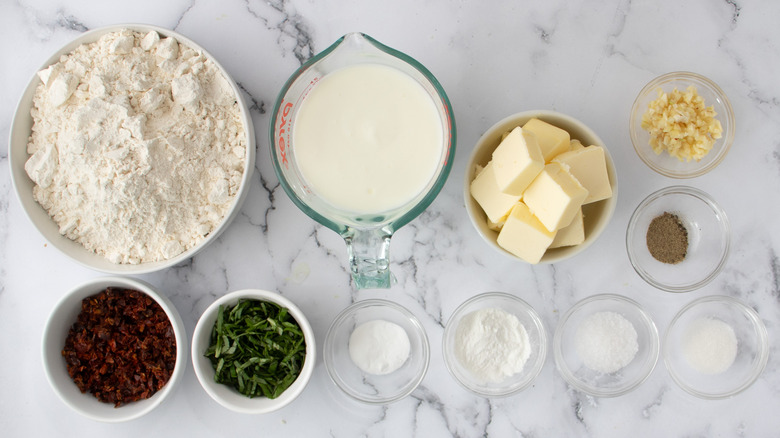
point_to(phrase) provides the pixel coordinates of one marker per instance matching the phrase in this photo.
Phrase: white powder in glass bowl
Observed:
(606, 342)
(379, 347)
(492, 344)
(137, 148)
(710, 346)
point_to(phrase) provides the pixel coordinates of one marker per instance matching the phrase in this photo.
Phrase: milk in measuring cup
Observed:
(368, 138)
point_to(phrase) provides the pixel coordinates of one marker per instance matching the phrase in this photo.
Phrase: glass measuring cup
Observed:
(367, 235)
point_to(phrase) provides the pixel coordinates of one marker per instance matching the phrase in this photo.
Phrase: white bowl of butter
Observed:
(567, 200)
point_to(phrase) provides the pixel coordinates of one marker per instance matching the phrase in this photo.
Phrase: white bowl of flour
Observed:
(131, 149)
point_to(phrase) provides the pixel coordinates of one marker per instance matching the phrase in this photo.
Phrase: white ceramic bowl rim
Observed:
(86, 404)
(224, 394)
(17, 156)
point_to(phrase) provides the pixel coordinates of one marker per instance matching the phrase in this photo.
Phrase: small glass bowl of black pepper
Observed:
(678, 239)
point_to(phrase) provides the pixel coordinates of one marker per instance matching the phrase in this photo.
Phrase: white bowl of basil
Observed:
(253, 351)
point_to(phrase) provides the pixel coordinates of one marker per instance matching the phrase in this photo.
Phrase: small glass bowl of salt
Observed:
(376, 351)
(606, 345)
(716, 347)
(494, 344)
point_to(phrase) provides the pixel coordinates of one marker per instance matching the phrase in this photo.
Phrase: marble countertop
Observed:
(585, 59)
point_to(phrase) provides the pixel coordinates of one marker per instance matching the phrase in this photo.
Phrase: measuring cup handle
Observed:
(369, 257)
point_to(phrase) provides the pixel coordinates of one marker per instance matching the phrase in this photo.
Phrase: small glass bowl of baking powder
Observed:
(707, 235)
(365, 385)
(606, 345)
(521, 359)
(716, 347)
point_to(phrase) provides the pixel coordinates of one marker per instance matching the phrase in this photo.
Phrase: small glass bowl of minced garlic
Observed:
(682, 124)
(678, 239)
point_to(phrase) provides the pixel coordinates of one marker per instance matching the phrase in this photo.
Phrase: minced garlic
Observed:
(680, 123)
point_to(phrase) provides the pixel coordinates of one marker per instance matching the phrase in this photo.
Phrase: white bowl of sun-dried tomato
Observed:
(114, 348)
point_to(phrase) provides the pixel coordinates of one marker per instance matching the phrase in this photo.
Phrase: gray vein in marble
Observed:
(270, 190)
(741, 429)
(291, 24)
(257, 105)
(764, 102)
(426, 397)
(651, 408)
(775, 269)
(70, 22)
(339, 258)
(578, 411)
(619, 22)
(578, 404)
(63, 20)
(181, 16)
(776, 155)
(423, 254)
(544, 34)
(736, 9)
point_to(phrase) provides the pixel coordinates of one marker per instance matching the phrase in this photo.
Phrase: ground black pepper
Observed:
(667, 238)
(121, 348)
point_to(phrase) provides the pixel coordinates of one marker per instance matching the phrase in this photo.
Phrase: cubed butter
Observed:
(496, 226)
(516, 161)
(575, 144)
(552, 139)
(572, 234)
(523, 235)
(589, 166)
(493, 201)
(555, 196)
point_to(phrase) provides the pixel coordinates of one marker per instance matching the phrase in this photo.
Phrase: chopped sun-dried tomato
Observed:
(121, 348)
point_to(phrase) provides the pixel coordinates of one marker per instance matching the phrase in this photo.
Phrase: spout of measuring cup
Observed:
(369, 257)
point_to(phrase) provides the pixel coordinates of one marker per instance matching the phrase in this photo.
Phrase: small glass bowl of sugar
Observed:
(385, 370)
(494, 344)
(606, 345)
(716, 347)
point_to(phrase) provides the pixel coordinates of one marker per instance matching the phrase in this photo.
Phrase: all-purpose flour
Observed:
(492, 344)
(137, 147)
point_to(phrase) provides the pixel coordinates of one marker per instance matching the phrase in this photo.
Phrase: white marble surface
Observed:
(587, 59)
